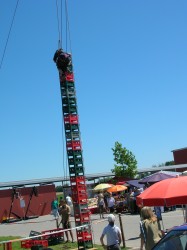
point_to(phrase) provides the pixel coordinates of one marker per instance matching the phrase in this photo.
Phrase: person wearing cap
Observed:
(113, 234)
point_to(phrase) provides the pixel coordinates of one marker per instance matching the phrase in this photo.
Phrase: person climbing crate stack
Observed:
(63, 61)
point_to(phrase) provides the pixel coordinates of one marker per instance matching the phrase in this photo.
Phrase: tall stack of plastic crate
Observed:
(75, 159)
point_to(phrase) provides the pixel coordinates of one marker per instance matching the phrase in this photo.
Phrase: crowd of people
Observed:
(150, 231)
(108, 202)
(150, 228)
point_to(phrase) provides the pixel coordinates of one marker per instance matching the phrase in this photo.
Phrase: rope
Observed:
(9, 34)
(44, 234)
(58, 22)
(61, 22)
(67, 27)
(63, 149)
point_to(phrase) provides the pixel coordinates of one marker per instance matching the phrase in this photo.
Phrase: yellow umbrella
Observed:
(116, 188)
(102, 186)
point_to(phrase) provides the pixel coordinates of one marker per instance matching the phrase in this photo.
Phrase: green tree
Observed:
(169, 163)
(59, 189)
(158, 166)
(126, 164)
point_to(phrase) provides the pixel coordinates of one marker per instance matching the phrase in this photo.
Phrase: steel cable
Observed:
(2, 59)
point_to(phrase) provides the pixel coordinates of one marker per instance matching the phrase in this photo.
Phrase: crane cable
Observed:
(68, 38)
(66, 50)
(9, 34)
(67, 28)
(59, 22)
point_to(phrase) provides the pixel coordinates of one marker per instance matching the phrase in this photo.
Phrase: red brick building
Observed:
(180, 156)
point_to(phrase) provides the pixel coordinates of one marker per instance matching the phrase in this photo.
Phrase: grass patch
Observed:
(62, 246)
(15, 245)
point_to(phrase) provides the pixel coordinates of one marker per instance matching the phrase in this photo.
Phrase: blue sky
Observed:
(130, 60)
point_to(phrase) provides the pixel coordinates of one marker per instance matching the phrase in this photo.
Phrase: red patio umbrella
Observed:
(168, 192)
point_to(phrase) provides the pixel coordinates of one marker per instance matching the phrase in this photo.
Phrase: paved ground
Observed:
(130, 226)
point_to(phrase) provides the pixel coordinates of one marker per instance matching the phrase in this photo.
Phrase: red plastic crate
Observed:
(80, 198)
(7, 245)
(83, 235)
(69, 77)
(78, 180)
(79, 209)
(81, 194)
(54, 233)
(79, 185)
(74, 145)
(71, 119)
(81, 218)
(77, 188)
(81, 221)
(79, 191)
(30, 243)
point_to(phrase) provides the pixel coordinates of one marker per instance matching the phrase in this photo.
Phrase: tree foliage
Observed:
(169, 163)
(59, 189)
(126, 164)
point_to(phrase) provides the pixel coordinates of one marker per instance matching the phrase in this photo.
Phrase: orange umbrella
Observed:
(168, 192)
(116, 188)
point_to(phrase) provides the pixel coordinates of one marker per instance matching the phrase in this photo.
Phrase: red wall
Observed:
(180, 156)
(39, 205)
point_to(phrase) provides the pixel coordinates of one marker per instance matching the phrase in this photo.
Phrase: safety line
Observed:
(9, 34)
(55, 232)
(40, 235)
(59, 35)
(67, 27)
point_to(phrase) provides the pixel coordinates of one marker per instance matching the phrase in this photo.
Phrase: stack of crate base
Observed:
(75, 161)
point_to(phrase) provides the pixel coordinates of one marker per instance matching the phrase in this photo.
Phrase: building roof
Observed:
(178, 149)
(45, 181)
(165, 168)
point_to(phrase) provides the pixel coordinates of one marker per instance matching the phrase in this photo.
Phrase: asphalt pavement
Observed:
(130, 225)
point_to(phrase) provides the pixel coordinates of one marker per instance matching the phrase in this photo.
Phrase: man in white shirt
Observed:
(111, 203)
(113, 234)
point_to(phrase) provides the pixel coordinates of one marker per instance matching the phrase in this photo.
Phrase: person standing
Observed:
(113, 234)
(105, 200)
(158, 212)
(100, 204)
(132, 202)
(111, 203)
(65, 212)
(70, 203)
(149, 228)
(69, 200)
(54, 210)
